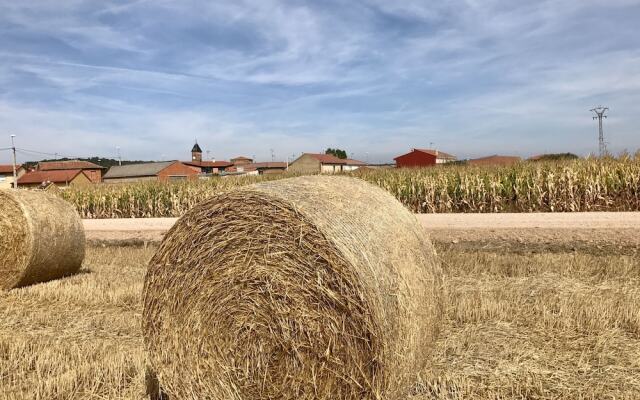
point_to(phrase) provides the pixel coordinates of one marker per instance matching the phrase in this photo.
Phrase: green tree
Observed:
(337, 153)
(556, 157)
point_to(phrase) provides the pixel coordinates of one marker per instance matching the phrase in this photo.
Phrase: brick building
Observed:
(423, 158)
(310, 163)
(93, 171)
(240, 160)
(59, 178)
(155, 171)
(6, 175)
(205, 167)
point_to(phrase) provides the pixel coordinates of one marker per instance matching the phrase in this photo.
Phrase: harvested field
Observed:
(537, 326)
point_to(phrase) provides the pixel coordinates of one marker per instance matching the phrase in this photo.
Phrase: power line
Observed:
(34, 153)
(30, 152)
(39, 152)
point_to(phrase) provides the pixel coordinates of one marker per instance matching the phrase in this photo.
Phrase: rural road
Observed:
(596, 232)
(582, 220)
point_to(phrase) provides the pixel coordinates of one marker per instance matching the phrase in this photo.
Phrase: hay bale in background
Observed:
(41, 238)
(311, 287)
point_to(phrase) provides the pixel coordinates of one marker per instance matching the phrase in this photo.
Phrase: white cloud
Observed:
(376, 77)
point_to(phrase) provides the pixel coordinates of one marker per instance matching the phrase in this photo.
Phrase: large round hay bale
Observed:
(312, 287)
(41, 238)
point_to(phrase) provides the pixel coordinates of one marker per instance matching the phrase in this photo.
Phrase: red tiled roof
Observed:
(437, 153)
(243, 168)
(65, 165)
(495, 160)
(241, 158)
(8, 168)
(209, 164)
(354, 162)
(327, 158)
(57, 176)
(440, 154)
(271, 164)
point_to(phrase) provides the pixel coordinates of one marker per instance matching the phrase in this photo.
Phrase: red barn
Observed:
(423, 158)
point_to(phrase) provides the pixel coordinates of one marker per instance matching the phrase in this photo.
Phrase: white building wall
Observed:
(330, 168)
(6, 181)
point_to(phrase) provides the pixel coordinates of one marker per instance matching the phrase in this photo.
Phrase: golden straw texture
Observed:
(313, 287)
(41, 238)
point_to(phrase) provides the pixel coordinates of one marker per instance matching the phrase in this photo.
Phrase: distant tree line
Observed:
(103, 162)
(341, 154)
(556, 157)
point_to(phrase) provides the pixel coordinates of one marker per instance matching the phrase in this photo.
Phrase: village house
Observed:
(154, 171)
(423, 158)
(309, 163)
(241, 160)
(6, 175)
(239, 170)
(495, 160)
(352, 165)
(205, 167)
(260, 168)
(60, 178)
(93, 171)
(269, 168)
(237, 166)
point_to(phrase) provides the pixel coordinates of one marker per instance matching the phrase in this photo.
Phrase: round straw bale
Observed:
(313, 287)
(41, 238)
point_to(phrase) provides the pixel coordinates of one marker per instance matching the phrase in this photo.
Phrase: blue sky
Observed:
(375, 77)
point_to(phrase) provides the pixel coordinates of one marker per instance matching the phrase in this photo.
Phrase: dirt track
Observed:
(534, 232)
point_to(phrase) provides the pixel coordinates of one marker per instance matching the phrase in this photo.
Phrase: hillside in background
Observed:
(103, 162)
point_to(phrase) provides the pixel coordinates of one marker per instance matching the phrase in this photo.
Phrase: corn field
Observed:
(581, 185)
(149, 199)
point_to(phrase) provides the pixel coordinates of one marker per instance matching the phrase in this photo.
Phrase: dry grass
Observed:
(562, 326)
(545, 326)
(79, 337)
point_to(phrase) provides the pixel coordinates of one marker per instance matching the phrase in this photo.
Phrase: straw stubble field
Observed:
(529, 326)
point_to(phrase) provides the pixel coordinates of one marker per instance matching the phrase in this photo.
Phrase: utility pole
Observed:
(119, 158)
(599, 114)
(273, 155)
(15, 173)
